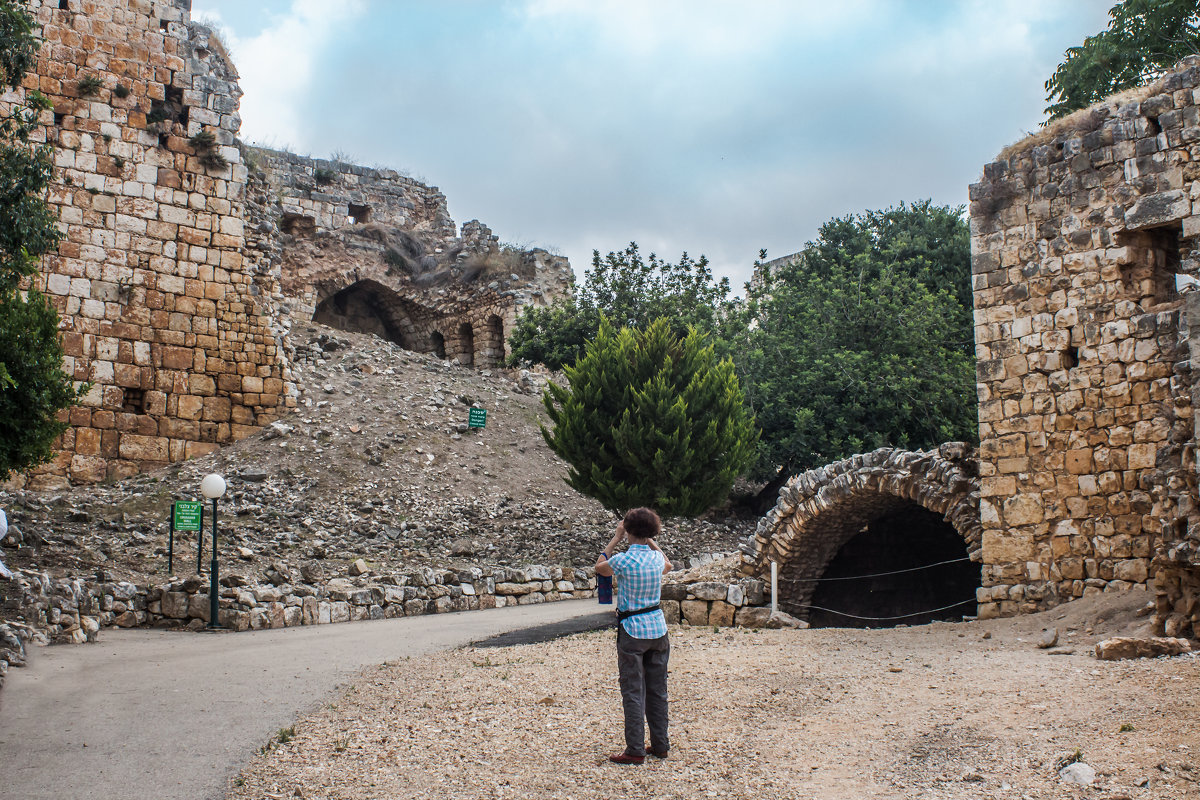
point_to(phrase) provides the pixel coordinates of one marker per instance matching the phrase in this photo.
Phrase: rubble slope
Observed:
(376, 463)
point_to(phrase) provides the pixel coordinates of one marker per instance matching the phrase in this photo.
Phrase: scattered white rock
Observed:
(1078, 773)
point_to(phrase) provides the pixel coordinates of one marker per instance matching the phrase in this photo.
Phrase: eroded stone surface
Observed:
(187, 256)
(1079, 236)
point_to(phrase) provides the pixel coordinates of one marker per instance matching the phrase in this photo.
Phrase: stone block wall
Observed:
(1078, 235)
(157, 307)
(745, 603)
(321, 194)
(181, 269)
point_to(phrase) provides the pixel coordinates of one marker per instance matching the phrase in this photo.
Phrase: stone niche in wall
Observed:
(1084, 246)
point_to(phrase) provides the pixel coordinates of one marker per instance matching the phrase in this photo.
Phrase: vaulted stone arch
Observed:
(367, 306)
(928, 499)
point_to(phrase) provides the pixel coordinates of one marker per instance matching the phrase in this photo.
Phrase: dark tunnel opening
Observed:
(903, 544)
(359, 309)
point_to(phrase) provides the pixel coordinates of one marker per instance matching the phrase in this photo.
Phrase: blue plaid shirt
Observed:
(638, 572)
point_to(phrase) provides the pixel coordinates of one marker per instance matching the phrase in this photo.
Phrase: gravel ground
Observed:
(962, 710)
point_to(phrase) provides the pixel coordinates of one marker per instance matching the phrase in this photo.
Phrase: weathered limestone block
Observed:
(708, 590)
(175, 605)
(1123, 647)
(309, 611)
(721, 614)
(752, 617)
(695, 612)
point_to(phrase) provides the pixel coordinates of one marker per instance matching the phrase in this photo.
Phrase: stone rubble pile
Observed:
(382, 468)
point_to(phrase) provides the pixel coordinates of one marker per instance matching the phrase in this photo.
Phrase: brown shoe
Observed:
(658, 753)
(624, 758)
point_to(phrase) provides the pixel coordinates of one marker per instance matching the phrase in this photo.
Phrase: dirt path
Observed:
(947, 711)
(175, 715)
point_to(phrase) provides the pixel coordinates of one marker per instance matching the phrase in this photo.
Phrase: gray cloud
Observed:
(718, 128)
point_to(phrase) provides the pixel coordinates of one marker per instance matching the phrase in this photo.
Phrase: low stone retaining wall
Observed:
(744, 603)
(40, 609)
(427, 591)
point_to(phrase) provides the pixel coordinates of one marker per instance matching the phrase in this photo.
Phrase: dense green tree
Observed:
(651, 419)
(33, 387)
(629, 290)
(1144, 38)
(863, 340)
(554, 335)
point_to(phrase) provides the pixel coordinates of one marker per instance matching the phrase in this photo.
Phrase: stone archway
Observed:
(367, 306)
(888, 511)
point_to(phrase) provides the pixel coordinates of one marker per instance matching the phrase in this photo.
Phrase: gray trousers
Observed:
(643, 667)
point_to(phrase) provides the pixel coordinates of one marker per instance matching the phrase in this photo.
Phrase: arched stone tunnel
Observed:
(880, 539)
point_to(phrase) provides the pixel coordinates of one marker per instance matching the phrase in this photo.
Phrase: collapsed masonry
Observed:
(181, 267)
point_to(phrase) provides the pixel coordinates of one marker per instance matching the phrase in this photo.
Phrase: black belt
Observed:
(624, 615)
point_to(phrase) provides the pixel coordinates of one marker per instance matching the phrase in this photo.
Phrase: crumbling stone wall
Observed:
(1078, 236)
(156, 303)
(376, 252)
(181, 269)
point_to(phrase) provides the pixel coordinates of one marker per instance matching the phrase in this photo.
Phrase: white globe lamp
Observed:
(213, 486)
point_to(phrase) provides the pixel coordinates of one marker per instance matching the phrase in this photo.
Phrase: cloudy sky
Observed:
(712, 127)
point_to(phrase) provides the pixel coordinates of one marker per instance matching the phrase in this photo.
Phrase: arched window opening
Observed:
(438, 344)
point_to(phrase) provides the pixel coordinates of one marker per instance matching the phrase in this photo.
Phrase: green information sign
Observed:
(187, 515)
(477, 418)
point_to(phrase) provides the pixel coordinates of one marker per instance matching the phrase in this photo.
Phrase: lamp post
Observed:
(212, 487)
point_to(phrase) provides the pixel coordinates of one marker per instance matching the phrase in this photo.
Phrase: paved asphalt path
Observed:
(162, 714)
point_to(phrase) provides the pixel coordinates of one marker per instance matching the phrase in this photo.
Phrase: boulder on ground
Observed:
(1122, 647)
(781, 619)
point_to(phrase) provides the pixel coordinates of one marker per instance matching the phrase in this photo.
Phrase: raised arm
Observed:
(666, 561)
(602, 565)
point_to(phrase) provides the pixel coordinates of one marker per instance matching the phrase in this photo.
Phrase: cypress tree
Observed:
(651, 419)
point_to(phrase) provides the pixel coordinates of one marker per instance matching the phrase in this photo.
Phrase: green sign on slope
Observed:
(477, 418)
(187, 515)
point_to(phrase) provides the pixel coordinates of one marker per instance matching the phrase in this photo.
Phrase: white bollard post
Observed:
(774, 587)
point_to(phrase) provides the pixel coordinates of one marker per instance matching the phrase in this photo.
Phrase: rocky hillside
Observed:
(376, 464)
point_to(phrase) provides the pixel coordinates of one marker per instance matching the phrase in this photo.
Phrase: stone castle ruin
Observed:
(187, 256)
(1084, 244)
